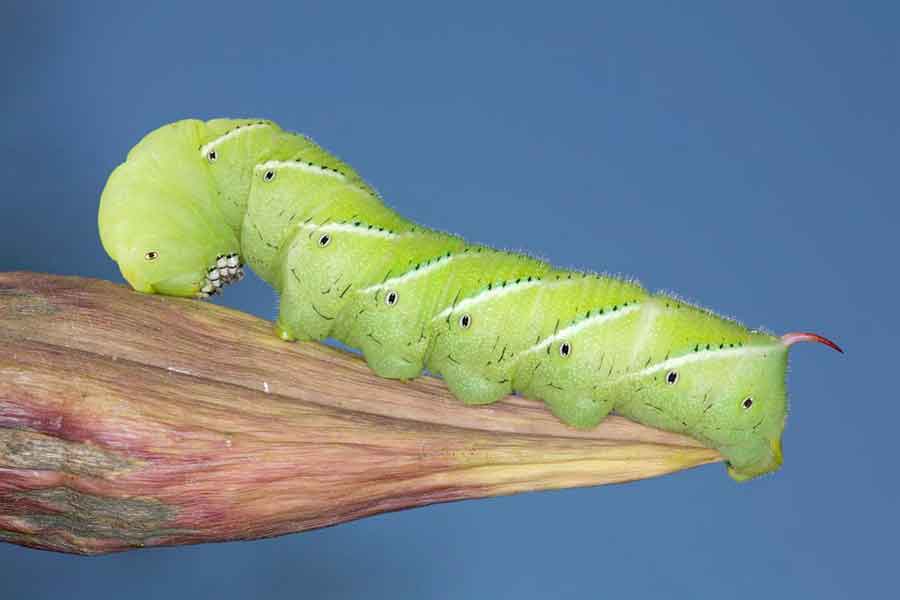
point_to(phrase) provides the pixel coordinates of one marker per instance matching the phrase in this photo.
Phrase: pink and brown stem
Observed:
(129, 420)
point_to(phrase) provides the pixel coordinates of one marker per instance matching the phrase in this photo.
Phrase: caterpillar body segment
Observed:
(275, 210)
(393, 320)
(324, 265)
(194, 200)
(234, 149)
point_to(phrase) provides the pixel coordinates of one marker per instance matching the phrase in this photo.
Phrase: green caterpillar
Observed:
(194, 199)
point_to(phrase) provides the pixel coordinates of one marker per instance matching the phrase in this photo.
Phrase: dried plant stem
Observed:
(129, 420)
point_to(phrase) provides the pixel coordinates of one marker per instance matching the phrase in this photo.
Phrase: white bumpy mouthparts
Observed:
(227, 269)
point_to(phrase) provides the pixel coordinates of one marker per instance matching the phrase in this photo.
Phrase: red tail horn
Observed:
(790, 339)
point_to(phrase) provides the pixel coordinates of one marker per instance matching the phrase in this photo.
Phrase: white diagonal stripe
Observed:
(240, 130)
(485, 295)
(698, 356)
(348, 228)
(298, 165)
(574, 328)
(409, 275)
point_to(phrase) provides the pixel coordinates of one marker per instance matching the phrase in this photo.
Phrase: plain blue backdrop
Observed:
(744, 155)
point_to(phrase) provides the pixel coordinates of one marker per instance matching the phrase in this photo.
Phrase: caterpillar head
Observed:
(160, 264)
(159, 220)
(734, 399)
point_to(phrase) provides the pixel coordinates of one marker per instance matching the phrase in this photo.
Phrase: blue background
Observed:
(743, 156)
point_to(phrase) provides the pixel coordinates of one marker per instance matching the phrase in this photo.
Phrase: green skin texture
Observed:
(489, 322)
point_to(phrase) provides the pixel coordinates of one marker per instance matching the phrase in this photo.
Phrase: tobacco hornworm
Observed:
(193, 199)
